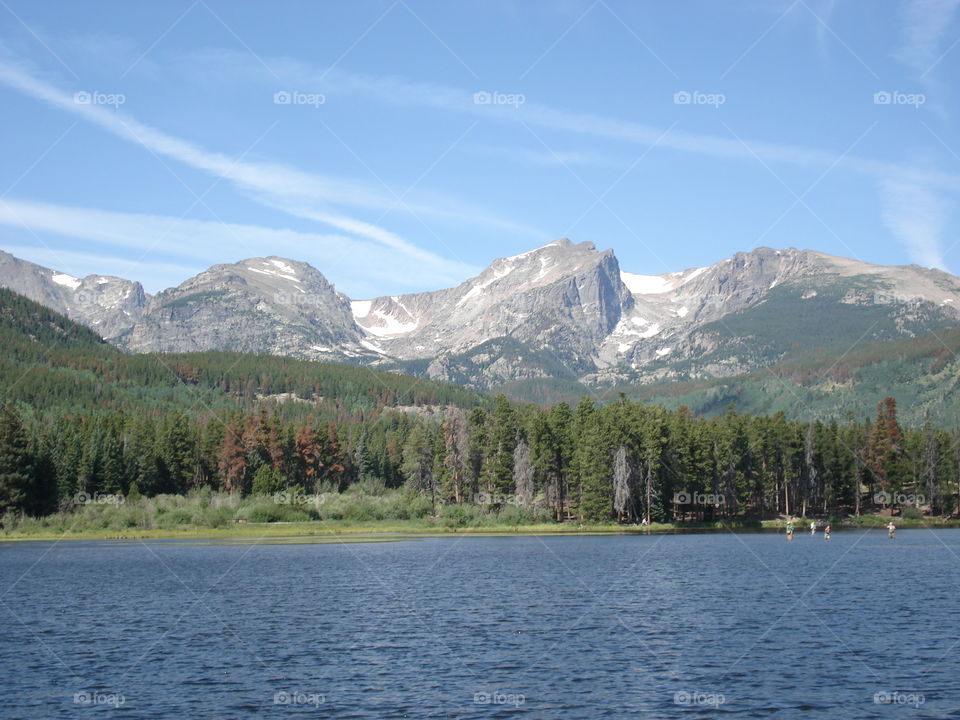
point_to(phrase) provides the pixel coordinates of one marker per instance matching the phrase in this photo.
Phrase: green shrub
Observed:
(456, 516)
(513, 515)
(267, 481)
(268, 512)
(174, 518)
(358, 510)
(911, 513)
(419, 507)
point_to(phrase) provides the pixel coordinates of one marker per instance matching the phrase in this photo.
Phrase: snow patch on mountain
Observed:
(502, 271)
(360, 308)
(66, 280)
(646, 284)
(390, 325)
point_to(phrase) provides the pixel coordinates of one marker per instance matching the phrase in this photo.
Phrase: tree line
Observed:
(625, 461)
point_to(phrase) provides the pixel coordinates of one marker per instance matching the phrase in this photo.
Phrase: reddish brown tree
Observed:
(232, 461)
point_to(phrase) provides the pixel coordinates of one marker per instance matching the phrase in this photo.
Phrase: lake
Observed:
(706, 625)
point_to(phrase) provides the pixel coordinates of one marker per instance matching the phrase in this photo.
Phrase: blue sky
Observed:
(401, 145)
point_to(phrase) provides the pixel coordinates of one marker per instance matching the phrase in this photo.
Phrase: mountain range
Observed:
(561, 312)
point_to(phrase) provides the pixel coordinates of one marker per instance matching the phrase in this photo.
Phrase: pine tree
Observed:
(622, 492)
(418, 456)
(16, 464)
(456, 441)
(498, 462)
(232, 462)
(523, 474)
(592, 496)
(177, 453)
(309, 454)
(886, 449)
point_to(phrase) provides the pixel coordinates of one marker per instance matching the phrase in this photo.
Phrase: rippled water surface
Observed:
(742, 625)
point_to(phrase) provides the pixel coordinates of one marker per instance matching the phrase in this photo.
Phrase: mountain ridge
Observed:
(563, 310)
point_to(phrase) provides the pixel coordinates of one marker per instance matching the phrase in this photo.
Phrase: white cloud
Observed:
(365, 264)
(917, 217)
(924, 25)
(307, 195)
(541, 157)
(404, 93)
(822, 25)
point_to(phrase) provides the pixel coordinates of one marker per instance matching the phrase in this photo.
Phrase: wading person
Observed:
(813, 527)
(891, 530)
(789, 531)
(826, 533)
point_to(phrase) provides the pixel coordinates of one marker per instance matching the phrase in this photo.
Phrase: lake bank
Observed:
(338, 531)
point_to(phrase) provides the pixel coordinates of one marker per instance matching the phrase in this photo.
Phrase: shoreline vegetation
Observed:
(359, 517)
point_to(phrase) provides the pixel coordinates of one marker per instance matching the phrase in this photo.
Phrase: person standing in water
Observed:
(813, 527)
(891, 530)
(789, 531)
(826, 533)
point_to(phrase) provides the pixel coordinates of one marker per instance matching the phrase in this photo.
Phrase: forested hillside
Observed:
(55, 365)
(82, 420)
(921, 374)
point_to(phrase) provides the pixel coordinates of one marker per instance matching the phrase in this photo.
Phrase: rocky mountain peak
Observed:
(110, 305)
(269, 304)
(560, 310)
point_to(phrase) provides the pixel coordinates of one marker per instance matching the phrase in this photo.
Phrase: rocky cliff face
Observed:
(564, 311)
(562, 299)
(262, 305)
(738, 314)
(107, 304)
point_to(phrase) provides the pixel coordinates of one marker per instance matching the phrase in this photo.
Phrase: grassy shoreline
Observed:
(356, 515)
(340, 531)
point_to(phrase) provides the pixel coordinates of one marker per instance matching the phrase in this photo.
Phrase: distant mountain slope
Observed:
(262, 305)
(107, 304)
(564, 312)
(564, 297)
(922, 374)
(50, 362)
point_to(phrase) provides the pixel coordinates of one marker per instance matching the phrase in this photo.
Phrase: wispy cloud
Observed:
(917, 216)
(307, 195)
(825, 13)
(924, 24)
(405, 93)
(201, 243)
(541, 157)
